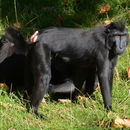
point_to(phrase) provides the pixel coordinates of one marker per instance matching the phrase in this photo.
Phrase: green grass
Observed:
(84, 115)
(78, 116)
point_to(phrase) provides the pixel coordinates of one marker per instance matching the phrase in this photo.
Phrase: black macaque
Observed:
(12, 64)
(96, 49)
(12, 72)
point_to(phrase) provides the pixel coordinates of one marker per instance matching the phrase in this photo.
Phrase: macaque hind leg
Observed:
(41, 74)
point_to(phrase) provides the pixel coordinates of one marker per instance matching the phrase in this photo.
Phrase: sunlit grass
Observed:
(83, 115)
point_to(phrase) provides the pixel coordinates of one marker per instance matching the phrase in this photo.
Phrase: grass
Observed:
(70, 13)
(78, 116)
(84, 115)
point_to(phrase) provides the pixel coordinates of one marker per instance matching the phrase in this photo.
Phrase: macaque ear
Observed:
(108, 45)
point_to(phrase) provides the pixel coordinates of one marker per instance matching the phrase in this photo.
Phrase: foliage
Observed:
(71, 13)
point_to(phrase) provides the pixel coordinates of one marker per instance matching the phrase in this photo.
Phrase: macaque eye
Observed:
(117, 37)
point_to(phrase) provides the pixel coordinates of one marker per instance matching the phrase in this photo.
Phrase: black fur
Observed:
(96, 49)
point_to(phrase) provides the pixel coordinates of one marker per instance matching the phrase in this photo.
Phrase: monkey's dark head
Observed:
(11, 42)
(117, 37)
